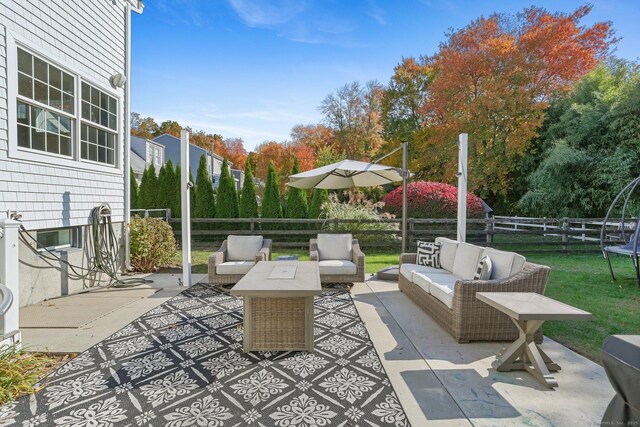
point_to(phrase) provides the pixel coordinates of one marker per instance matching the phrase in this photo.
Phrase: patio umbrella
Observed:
(351, 173)
(346, 174)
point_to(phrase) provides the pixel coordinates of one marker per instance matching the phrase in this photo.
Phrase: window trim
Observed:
(75, 162)
(75, 239)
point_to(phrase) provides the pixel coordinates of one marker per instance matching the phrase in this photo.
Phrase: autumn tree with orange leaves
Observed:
(494, 79)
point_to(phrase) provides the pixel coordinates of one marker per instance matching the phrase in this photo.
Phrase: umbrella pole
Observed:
(405, 173)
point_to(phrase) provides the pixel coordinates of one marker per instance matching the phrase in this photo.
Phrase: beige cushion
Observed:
(243, 248)
(334, 246)
(407, 270)
(422, 280)
(448, 249)
(234, 267)
(443, 292)
(504, 264)
(518, 264)
(467, 257)
(337, 266)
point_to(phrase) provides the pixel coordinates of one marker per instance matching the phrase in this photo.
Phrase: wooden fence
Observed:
(531, 235)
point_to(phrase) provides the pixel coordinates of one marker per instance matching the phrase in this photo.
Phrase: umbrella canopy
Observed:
(346, 174)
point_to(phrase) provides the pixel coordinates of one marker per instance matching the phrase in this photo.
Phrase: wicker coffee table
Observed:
(278, 305)
(528, 311)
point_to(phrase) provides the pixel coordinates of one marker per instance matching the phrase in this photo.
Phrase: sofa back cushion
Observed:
(466, 261)
(335, 246)
(504, 264)
(243, 248)
(448, 249)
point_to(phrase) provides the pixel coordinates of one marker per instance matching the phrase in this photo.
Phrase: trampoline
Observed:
(625, 241)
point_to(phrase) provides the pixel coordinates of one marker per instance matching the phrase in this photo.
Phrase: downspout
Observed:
(135, 7)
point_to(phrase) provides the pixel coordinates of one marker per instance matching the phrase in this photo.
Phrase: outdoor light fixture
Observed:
(118, 80)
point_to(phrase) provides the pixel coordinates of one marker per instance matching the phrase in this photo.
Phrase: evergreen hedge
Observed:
(133, 191)
(248, 200)
(226, 196)
(271, 207)
(296, 201)
(204, 204)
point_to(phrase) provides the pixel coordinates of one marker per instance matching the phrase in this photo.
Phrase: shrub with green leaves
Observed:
(133, 190)
(271, 205)
(152, 244)
(226, 196)
(320, 197)
(148, 194)
(296, 201)
(368, 221)
(204, 199)
(248, 200)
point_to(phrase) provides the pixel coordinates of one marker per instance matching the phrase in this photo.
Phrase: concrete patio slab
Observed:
(99, 314)
(457, 383)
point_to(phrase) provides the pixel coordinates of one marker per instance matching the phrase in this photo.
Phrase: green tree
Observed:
(168, 187)
(176, 208)
(226, 196)
(161, 196)
(320, 196)
(296, 200)
(204, 206)
(147, 197)
(133, 191)
(271, 204)
(248, 200)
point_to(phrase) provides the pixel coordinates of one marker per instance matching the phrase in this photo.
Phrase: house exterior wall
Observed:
(172, 151)
(86, 40)
(146, 149)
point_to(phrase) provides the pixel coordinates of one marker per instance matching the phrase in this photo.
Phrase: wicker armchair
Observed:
(471, 319)
(219, 257)
(357, 257)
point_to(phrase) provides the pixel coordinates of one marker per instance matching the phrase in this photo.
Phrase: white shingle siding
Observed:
(87, 38)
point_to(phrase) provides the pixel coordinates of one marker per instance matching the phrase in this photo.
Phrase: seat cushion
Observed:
(234, 267)
(467, 257)
(243, 248)
(443, 292)
(407, 270)
(337, 267)
(448, 249)
(335, 246)
(422, 281)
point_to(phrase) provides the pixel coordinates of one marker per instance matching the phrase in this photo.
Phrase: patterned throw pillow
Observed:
(483, 270)
(428, 254)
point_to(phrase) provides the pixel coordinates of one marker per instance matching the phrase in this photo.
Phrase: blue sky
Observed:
(255, 68)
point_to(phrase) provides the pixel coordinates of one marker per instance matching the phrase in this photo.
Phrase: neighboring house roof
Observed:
(138, 164)
(165, 137)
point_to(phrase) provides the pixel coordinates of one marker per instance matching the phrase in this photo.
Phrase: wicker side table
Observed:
(278, 305)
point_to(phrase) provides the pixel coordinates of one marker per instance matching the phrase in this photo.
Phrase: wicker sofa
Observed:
(339, 257)
(448, 294)
(236, 256)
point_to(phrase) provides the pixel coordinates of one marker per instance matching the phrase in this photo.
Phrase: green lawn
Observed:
(580, 280)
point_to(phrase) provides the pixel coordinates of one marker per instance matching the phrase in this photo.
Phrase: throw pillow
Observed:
(428, 254)
(483, 270)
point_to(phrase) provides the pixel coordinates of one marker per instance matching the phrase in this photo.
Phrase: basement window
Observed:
(60, 238)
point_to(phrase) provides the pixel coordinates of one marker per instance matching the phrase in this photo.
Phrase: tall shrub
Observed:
(226, 196)
(320, 197)
(271, 207)
(161, 196)
(204, 206)
(248, 201)
(148, 195)
(176, 207)
(133, 190)
(168, 186)
(427, 199)
(296, 199)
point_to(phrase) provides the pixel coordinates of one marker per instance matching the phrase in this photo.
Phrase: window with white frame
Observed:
(45, 106)
(60, 238)
(47, 117)
(99, 125)
(156, 157)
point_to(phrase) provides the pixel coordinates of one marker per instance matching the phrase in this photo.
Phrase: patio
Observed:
(437, 381)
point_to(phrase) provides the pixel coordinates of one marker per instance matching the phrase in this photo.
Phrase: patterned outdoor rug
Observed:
(182, 364)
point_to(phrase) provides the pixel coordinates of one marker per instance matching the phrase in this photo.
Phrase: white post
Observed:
(9, 277)
(186, 208)
(462, 187)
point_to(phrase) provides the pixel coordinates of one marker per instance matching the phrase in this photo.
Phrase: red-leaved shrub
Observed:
(428, 199)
